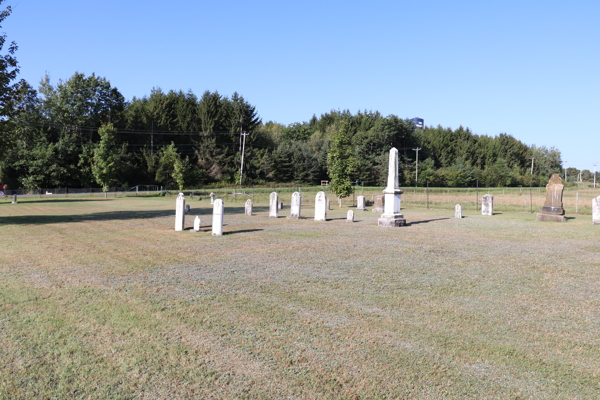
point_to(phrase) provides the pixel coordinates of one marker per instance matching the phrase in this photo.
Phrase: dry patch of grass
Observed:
(103, 299)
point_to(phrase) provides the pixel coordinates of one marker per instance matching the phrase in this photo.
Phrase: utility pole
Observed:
(417, 172)
(243, 150)
(565, 162)
(532, 158)
(244, 134)
(594, 176)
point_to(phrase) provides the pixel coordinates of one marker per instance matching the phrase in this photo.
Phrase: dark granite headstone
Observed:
(379, 204)
(553, 210)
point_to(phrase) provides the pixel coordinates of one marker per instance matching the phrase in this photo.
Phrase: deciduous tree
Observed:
(341, 162)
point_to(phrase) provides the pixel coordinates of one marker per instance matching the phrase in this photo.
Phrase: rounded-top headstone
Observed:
(350, 216)
(457, 211)
(273, 205)
(321, 205)
(295, 205)
(248, 207)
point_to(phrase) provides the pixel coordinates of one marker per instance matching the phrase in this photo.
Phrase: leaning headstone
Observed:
(457, 211)
(553, 210)
(321, 204)
(212, 198)
(274, 205)
(360, 203)
(14, 199)
(391, 216)
(179, 212)
(248, 208)
(295, 207)
(379, 205)
(596, 211)
(197, 224)
(487, 205)
(217, 222)
(350, 217)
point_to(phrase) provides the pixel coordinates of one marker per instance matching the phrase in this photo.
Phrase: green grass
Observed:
(102, 299)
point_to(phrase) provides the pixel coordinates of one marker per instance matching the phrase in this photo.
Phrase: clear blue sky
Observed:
(526, 68)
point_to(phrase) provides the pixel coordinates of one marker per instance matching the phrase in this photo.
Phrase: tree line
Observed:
(82, 132)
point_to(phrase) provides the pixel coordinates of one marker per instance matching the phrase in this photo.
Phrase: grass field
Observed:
(102, 299)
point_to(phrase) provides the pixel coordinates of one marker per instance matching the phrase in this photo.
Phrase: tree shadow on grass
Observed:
(108, 216)
(101, 216)
(32, 201)
(241, 231)
(426, 221)
(228, 210)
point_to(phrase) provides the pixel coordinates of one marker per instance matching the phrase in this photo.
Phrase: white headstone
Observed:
(321, 204)
(212, 198)
(350, 217)
(248, 208)
(360, 203)
(217, 222)
(280, 205)
(391, 208)
(596, 211)
(487, 205)
(273, 205)
(457, 211)
(295, 207)
(179, 212)
(14, 199)
(197, 224)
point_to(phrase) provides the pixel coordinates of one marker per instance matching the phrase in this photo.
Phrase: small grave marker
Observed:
(350, 216)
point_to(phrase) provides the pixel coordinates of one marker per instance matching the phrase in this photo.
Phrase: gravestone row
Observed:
(389, 203)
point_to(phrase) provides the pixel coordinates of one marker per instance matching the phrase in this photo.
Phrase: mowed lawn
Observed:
(102, 299)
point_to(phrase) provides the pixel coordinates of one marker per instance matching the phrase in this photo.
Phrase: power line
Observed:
(132, 131)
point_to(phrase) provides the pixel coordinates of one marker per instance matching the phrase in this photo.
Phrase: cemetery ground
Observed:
(102, 299)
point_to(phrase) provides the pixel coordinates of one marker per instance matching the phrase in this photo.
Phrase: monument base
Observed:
(550, 217)
(392, 221)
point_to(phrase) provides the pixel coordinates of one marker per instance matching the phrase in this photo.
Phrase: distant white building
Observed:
(419, 123)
